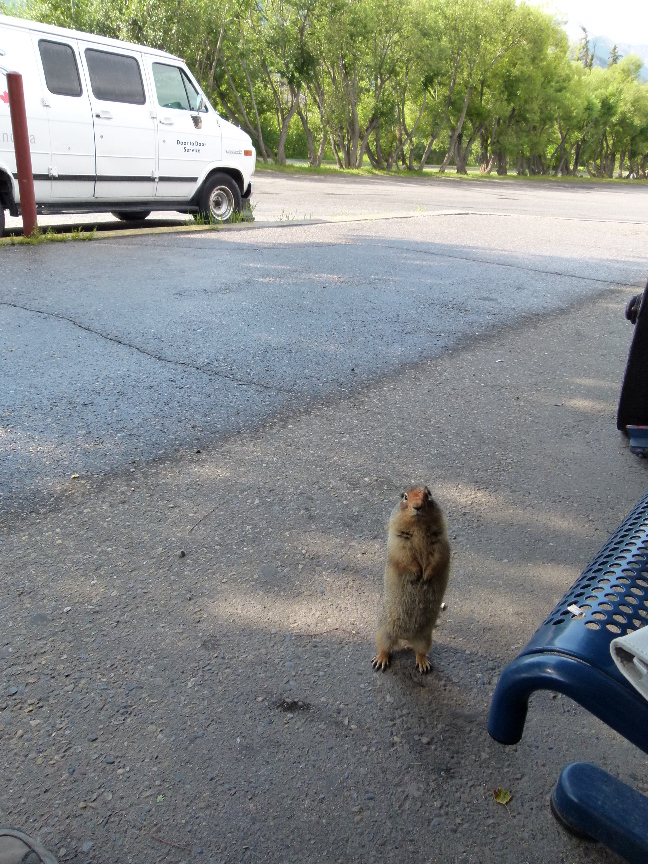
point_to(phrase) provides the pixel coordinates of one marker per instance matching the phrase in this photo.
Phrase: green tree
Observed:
(584, 55)
(614, 57)
(621, 125)
(359, 44)
(398, 81)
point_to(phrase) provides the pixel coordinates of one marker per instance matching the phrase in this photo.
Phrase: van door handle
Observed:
(104, 115)
(166, 121)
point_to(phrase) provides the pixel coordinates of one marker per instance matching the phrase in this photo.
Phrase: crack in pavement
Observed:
(159, 357)
(503, 264)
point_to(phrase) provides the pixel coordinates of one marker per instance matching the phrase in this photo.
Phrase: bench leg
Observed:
(619, 707)
(594, 805)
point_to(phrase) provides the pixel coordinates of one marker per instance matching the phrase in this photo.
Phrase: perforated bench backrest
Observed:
(611, 594)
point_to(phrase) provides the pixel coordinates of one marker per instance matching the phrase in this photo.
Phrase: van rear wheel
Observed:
(2, 220)
(220, 199)
(131, 215)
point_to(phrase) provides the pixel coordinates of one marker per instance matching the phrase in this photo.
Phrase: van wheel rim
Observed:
(221, 203)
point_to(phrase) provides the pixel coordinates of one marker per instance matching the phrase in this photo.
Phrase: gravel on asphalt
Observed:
(185, 644)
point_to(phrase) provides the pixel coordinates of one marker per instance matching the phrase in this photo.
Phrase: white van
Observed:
(116, 127)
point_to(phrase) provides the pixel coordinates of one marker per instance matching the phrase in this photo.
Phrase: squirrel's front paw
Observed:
(423, 664)
(381, 661)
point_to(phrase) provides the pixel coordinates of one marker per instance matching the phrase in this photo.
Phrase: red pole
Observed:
(23, 153)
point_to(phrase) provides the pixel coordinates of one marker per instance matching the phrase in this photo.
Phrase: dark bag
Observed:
(633, 403)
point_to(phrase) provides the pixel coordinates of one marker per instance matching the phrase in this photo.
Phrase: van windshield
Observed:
(175, 90)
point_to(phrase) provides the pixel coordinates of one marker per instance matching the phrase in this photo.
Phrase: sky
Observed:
(619, 20)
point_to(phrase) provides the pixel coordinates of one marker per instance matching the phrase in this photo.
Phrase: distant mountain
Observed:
(602, 47)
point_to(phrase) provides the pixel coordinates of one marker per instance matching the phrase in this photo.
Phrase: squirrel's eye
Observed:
(404, 496)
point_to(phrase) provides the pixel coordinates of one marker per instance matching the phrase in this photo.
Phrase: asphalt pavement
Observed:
(119, 351)
(185, 656)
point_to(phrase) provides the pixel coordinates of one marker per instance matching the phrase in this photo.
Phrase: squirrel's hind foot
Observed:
(423, 664)
(380, 661)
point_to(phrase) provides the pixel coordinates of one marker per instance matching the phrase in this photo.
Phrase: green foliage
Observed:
(398, 82)
(48, 236)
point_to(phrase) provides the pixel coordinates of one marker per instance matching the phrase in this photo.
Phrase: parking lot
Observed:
(129, 348)
(205, 434)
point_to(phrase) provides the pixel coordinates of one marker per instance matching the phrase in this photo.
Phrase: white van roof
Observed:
(78, 34)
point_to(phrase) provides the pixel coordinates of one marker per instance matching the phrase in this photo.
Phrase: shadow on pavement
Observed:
(188, 644)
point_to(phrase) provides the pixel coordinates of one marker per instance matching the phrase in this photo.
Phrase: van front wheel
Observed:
(220, 199)
(131, 215)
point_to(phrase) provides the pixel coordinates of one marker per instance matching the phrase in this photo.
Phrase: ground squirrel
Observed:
(416, 577)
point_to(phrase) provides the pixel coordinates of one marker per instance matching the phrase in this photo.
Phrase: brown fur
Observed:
(416, 577)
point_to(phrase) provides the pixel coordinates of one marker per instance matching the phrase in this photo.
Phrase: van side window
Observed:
(175, 90)
(60, 68)
(115, 77)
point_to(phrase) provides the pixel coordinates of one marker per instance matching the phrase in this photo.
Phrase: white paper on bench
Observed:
(630, 653)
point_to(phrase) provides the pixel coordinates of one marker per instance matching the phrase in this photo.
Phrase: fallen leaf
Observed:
(74, 477)
(502, 796)
(159, 799)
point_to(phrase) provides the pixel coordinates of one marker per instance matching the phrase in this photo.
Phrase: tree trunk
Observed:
(410, 158)
(577, 152)
(335, 151)
(448, 157)
(491, 163)
(408, 138)
(371, 127)
(456, 132)
(380, 159)
(281, 146)
(485, 140)
(256, 112)
(458, 155)
(320, 150)
(255, 133)
(462, 156)
(212, 71)
(426, 152)
(372, 158)
(353, 128)
(501, 164)
(611, 162)
(303, 116)
(316, 92)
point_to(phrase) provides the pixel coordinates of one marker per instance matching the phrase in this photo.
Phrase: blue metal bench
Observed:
(570, 654)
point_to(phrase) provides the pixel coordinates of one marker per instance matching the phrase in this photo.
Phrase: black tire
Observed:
(2, 221)
(220, 199)
(131, 215)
